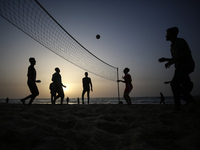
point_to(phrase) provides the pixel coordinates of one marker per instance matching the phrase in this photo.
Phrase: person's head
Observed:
(32, 61)
(57, 69)
(172, 33)
(86, 74)
(126, 70)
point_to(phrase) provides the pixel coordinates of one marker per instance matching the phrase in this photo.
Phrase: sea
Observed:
(99, 100)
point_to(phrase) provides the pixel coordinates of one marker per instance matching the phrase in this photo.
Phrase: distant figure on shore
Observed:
(162, 99)
(53, 92)
(57, 81)
(67, 100)
(181, 83)
(120, 102)
(7, 99)
(32, 82)
(127, 80)
(87, 83)
(78, 100)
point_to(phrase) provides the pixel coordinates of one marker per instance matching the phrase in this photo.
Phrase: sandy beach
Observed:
(99, 127)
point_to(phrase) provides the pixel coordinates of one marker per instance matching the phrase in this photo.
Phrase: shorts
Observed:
(128, 89)
(33, 88)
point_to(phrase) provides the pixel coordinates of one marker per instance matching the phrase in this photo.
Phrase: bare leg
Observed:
(88, 95)
(128, 99)
(61, 102)
(83, 96)
(23, 99)
(32, 98)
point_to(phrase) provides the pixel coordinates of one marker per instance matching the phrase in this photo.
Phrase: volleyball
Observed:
(98, 36)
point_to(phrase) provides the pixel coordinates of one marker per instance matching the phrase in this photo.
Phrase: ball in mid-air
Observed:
(98, 36)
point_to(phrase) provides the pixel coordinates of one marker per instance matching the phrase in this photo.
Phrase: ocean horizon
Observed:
(98, 100)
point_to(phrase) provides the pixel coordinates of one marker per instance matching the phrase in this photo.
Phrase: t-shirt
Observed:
(181, 54)
(31, 74)
(56, 78)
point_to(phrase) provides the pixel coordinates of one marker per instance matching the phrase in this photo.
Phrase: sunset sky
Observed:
(132, 35)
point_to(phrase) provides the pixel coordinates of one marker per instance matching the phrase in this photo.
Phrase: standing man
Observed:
(87, 83)
(57, 81)
(181, 83)
(31, 82)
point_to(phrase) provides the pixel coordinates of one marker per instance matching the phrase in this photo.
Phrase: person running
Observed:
(127, 80)
(87, 83)
(181, 83)
(57, 81)
(32, 82)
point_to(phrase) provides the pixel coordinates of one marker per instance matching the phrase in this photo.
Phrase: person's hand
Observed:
(168, 64)
(162, 59)
(38, 81)
(167, 82)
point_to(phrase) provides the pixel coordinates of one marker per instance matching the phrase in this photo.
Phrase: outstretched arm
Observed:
(38, 81)
(167, 82)
(163, 59)
(91, 86)
(120, 81)
(170, 61)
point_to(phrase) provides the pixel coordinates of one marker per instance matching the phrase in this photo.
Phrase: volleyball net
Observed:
(32, 18)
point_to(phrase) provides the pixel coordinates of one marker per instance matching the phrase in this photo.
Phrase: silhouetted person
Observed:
(7, 99)
(78, 100)
(53, 92)
(127, 80)
(181, 83)
(67, 100)
(162, 99)
(57, 81)
(31, 82)
(87, 83)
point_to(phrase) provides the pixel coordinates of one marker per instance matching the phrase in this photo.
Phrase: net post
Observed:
(118, 84)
